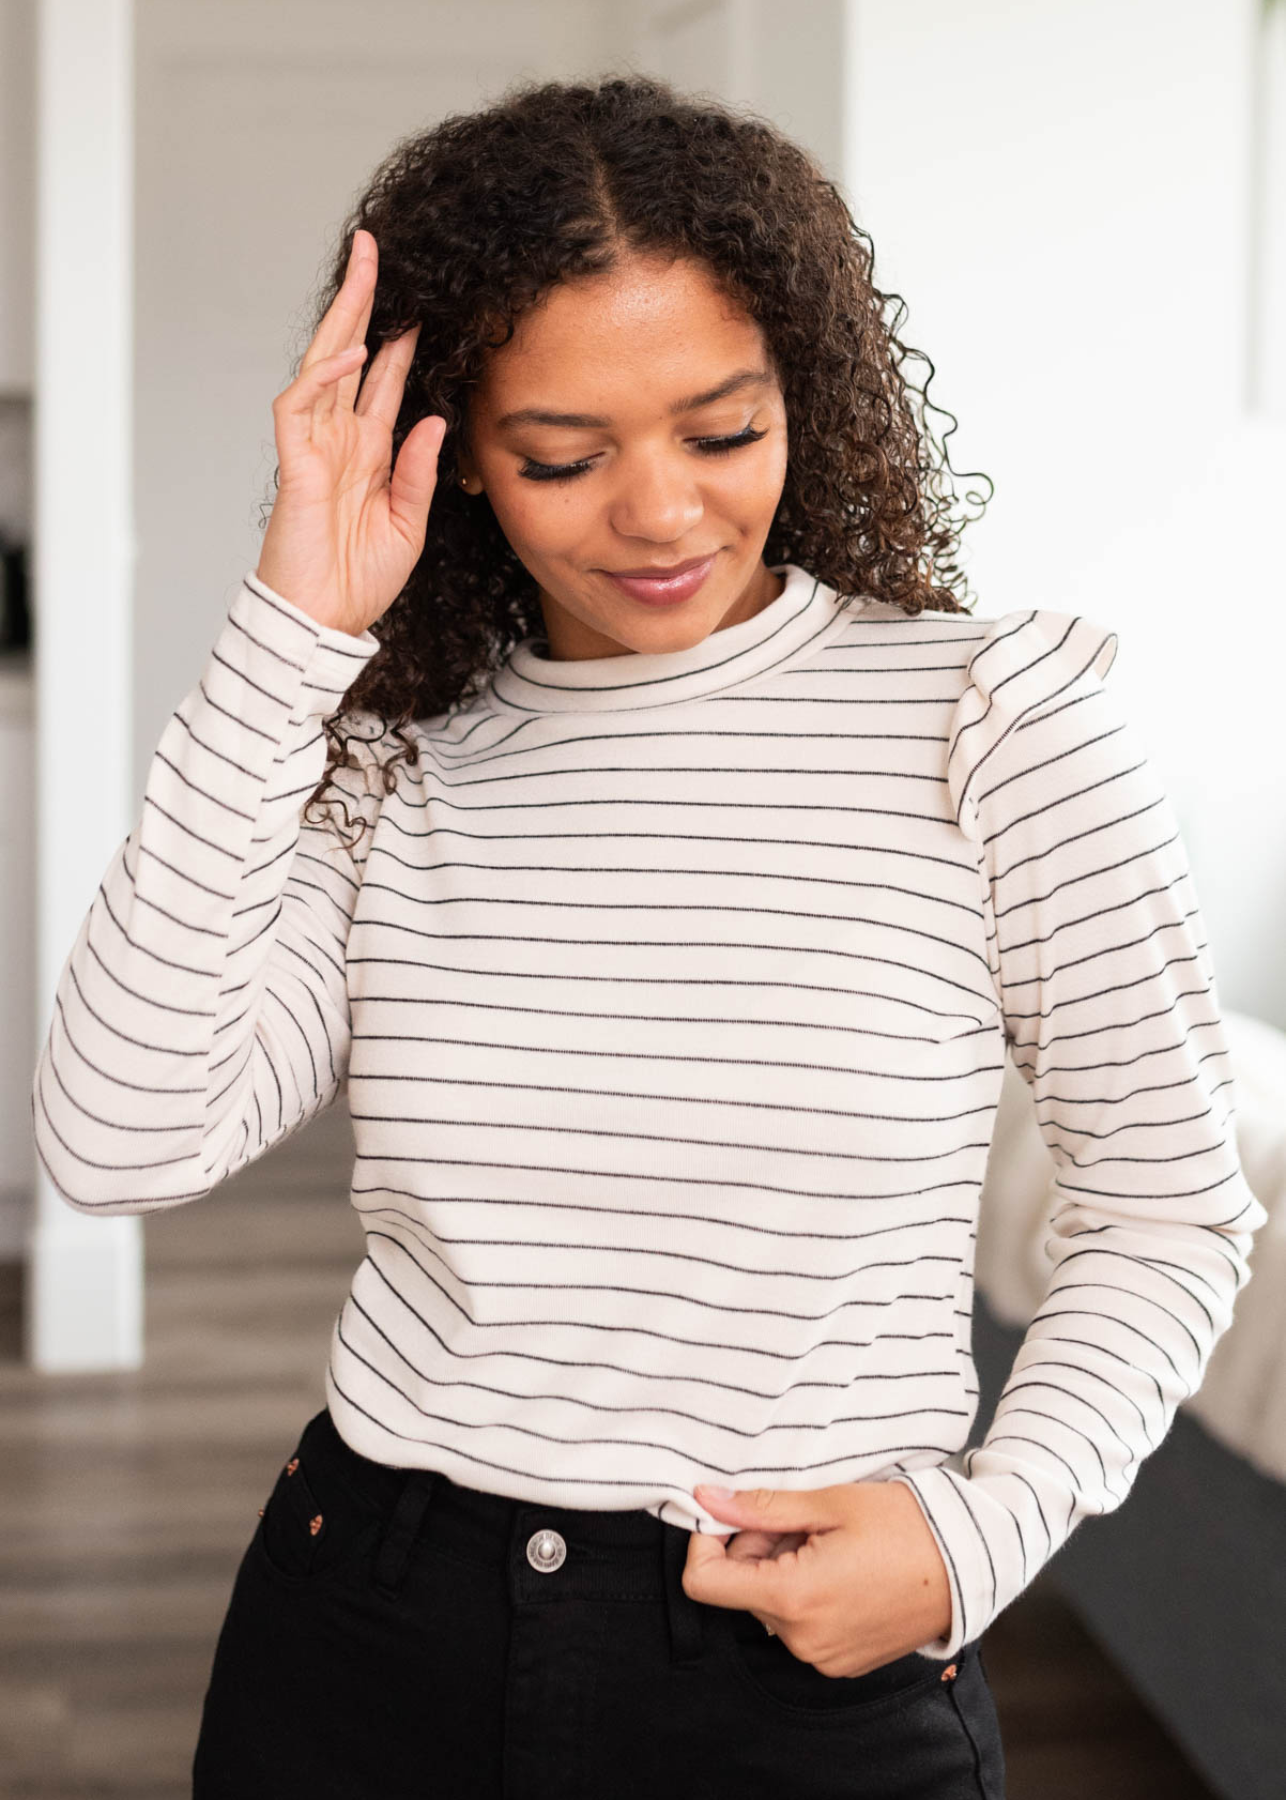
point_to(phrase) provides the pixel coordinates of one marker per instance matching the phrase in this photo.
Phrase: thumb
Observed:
(759, 1584)
(415, 476)
(772, 1509)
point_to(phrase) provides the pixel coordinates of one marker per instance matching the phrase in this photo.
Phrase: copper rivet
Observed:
(261, 1512)
(949, 1673)
(292, 1465)
(314, 1525)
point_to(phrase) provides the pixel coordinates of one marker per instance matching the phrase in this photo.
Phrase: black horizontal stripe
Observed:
(625, 1018)
(438, 746)
(669, 1056)
(670, 1219)
(425, 872)
(796, 1110)
(618, 1136)
(635, 943)
(482, 1161)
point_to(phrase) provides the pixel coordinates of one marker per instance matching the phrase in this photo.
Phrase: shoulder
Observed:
(1009, 664)
(1031, 654)
(1033, 667)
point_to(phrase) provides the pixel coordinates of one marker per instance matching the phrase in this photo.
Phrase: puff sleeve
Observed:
(202, 1013)
(1099, 957)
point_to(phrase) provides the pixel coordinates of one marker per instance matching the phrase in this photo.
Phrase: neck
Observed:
(802, 616)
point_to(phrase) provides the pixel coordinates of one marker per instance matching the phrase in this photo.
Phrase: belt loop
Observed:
(683, 1611)
(400, 1532)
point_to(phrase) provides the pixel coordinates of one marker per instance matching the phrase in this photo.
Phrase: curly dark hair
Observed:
(479, 216)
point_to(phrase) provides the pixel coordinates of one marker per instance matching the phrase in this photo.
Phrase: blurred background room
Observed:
(1083, 203)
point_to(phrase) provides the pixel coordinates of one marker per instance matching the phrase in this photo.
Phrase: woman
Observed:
(708, 857)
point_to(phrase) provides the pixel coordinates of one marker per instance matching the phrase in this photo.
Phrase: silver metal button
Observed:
(546, 1551)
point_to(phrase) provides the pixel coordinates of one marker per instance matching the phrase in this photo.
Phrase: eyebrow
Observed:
(534, 415)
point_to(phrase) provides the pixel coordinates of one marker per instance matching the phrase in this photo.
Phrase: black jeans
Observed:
(393, 1635)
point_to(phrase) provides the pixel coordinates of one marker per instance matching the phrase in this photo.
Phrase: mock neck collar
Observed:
(804, 615)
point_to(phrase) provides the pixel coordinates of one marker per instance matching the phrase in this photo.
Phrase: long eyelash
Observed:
(713, 446)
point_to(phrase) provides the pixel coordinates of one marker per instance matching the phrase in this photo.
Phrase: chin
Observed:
(687, 624)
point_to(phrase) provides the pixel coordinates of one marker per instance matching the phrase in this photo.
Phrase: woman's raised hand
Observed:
(344, 532)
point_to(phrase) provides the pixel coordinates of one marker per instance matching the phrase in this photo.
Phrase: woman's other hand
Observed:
(345, 532)
(867, 1584)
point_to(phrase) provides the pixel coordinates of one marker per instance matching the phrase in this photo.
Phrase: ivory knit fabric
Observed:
(671, 995)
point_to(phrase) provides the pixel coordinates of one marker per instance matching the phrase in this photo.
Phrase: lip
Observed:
(667, 587)
(663, 574)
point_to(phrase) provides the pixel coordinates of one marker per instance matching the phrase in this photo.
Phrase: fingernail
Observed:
(715, 1493)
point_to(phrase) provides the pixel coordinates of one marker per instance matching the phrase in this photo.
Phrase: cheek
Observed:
(748, 492)
(544, 516)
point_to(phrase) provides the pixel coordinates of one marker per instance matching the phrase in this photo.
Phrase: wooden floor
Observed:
(126, 1500)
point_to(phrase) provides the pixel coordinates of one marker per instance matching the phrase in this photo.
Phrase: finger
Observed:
(346, 390)
(385, 383)
(752, 1543)
(310, 397)
(751, 1584)
(338, 328)
(415, 476)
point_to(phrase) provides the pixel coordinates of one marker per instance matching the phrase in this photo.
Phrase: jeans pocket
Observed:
(310, 1527)
(784, 1682)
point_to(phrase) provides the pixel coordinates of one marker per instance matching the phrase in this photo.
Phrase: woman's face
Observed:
(632, 378)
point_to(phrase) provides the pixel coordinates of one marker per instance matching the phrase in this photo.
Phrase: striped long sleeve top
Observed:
(671, 995)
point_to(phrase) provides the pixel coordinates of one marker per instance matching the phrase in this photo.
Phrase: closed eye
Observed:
(710, 446)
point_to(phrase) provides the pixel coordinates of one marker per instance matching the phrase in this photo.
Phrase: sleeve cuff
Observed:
(331, 660)
(940, 1502)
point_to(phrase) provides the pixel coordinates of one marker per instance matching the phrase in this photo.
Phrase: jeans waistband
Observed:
(474, 1521)
(618, 1554)
(622, 1555)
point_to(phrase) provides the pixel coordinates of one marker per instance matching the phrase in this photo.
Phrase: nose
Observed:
(657, 500)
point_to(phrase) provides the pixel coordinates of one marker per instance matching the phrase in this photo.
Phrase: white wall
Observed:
(257, 126)
(784, 61)
(17, 192)
(1062, 193)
